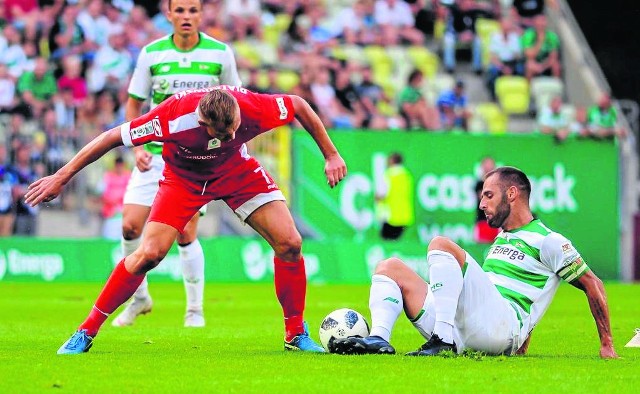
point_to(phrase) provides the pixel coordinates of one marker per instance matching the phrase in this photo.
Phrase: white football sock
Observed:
(129, 246)
(385, 303)
(192, 260)
(446, 285)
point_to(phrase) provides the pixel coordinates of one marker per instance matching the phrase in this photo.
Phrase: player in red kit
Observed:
(204, 133)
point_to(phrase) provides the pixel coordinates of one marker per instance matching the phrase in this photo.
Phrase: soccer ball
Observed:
(342, 323)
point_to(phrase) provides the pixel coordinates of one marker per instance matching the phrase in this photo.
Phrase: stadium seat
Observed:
(543, 89)
(248, 52)
(424, 60)
(349, 52)
(287, 80)
(377, 56)
(485, 28)
(492, 116)
(513, 94)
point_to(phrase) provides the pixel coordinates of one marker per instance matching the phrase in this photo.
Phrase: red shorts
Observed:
(245, 188)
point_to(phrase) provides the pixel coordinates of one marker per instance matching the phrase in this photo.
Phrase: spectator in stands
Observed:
(66, 36)
(115, 17)
(144, 32)
(7, 90)
(552, 120)
(8, 182)
(461, 28)
(65, 109)
(160, 21)
(303, 89)
(356, 25)
(397, 23)
(244, 18)
(452, 105)
(324, 95)
(95, 25)
(26, 173)
(602, 119)
(112, 189)
(20, 12)
(423, 15)
(272, 81)
(253, 81)
(107, 110)
(348, 98)
(506, 54)
(525, 11)
(37, 88)
(13, 55)
(112, 65)
(371, 95)
(542, 50)
(212, 21)
(72, 79)
(414, 107)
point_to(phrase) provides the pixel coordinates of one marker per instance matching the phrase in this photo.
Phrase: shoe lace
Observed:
(76, 339)
(433, 340)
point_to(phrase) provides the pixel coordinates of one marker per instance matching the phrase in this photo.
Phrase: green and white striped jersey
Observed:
(526, 265)
(163, 70)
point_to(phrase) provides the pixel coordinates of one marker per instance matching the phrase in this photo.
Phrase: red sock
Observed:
(119, 287)
(291, 289)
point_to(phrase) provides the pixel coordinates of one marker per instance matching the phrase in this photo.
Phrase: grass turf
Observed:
(240, 349)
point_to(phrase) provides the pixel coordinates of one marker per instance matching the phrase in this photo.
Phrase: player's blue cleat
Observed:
(303, 342)
(79, 342)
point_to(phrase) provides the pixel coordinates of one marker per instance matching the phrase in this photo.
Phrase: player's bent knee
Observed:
(441, 243)
(389, 267)
(131, 231)
(289, 248)
(152, 255)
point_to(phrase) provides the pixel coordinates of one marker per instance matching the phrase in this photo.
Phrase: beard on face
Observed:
(503, 210)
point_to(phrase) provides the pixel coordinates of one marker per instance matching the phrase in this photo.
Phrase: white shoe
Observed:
(194, 319)
(137, 306)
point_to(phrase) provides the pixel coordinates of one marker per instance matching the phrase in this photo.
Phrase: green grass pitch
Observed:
(240, 349)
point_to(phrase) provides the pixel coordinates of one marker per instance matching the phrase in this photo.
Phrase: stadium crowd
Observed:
(65, 67)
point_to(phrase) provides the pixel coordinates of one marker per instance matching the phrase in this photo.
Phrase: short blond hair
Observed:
(218, 107)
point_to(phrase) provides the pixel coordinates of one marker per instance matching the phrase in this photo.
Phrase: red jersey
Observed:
(189, 151)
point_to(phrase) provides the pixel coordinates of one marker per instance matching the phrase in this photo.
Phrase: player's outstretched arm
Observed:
(594, 289)
(48, 188)
(335, 168)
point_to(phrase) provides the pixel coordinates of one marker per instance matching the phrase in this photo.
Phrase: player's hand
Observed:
(608, 352)
(44, 190)
(335, 169)
(143, 159)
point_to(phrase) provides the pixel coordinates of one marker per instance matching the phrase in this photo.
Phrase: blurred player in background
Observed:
(185, 59)
(204, 132)
(492, 308)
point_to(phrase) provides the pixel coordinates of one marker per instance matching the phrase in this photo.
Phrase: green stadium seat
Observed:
(543, 89)
(513, 94)
(492, 117)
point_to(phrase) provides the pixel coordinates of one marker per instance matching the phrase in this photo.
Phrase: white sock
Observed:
(446, 285)
(129, 246)
(192, 260)
(385, 303)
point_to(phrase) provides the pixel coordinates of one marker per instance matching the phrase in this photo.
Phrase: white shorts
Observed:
(143, 186)
(484, 320)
